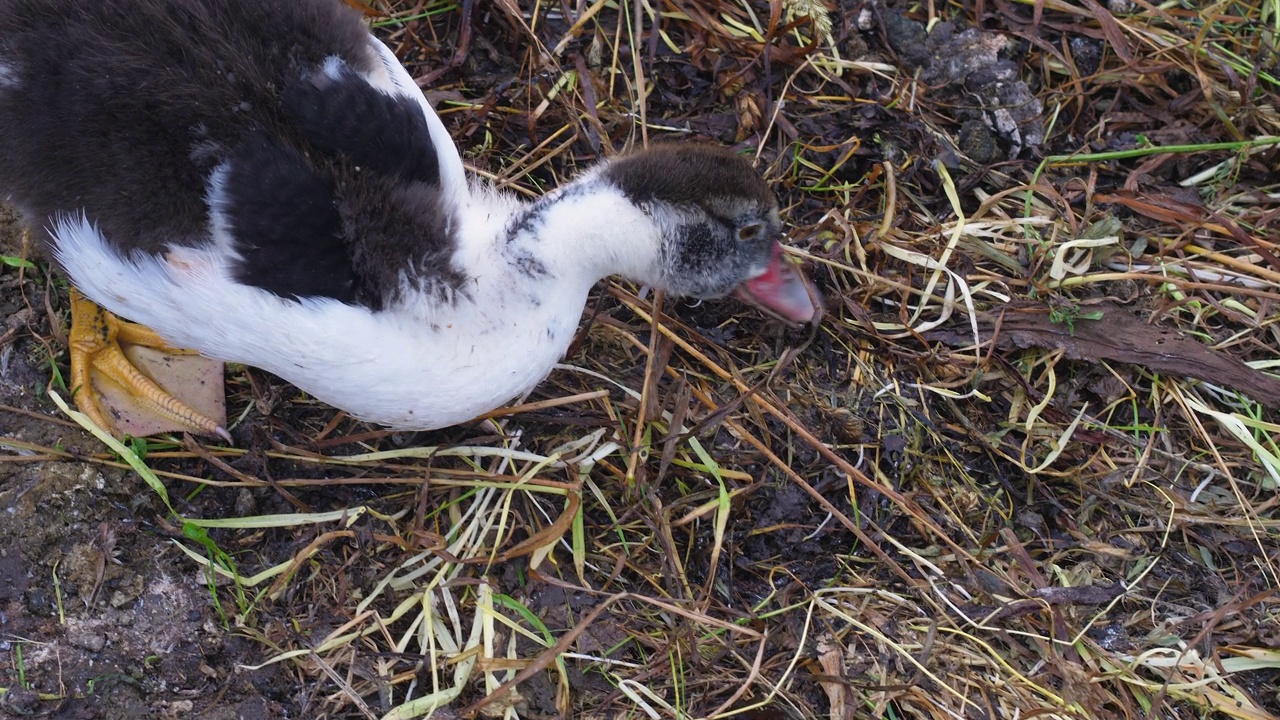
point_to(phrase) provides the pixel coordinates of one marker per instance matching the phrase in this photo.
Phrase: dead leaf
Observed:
(1120, 336)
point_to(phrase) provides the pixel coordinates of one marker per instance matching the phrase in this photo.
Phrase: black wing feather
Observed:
(347, 117)
(285, 223)
(122, 108)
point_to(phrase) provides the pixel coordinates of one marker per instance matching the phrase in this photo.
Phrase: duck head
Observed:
(719, 227)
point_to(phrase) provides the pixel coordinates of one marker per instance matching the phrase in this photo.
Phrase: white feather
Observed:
(419, 364)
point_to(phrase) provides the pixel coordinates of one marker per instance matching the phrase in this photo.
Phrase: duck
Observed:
(262, 182)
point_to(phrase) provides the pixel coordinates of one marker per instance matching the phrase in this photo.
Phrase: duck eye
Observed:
(750, 232)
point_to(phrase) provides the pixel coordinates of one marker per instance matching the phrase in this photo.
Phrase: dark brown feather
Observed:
(124, 108)
(688, 174)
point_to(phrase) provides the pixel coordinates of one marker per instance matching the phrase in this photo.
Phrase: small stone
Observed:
(246, 503)
(86, 640)
(39, 602)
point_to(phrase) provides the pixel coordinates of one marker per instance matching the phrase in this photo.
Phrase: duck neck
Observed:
(590, 227)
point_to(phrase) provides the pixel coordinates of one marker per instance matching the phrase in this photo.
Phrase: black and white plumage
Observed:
(262, 181)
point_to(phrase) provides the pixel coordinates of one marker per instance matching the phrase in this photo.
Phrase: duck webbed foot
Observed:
(125, 377)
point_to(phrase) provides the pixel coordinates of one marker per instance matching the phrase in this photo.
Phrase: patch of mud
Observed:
(100, 615)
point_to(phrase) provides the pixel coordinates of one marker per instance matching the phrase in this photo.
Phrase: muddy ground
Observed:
(912, 529)
(100, 615)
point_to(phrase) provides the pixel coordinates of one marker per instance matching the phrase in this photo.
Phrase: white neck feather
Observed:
(579, 233)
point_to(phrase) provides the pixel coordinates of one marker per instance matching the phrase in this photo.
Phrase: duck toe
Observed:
(127, 379)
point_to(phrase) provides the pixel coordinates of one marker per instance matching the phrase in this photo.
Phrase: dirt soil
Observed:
(869, 519)
(97, 607)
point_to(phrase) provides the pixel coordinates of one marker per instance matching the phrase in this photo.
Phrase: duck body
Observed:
(262, 181)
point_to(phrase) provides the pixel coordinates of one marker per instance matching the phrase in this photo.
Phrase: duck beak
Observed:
(780, 291)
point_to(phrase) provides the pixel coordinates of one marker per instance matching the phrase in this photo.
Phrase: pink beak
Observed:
(780, 290)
